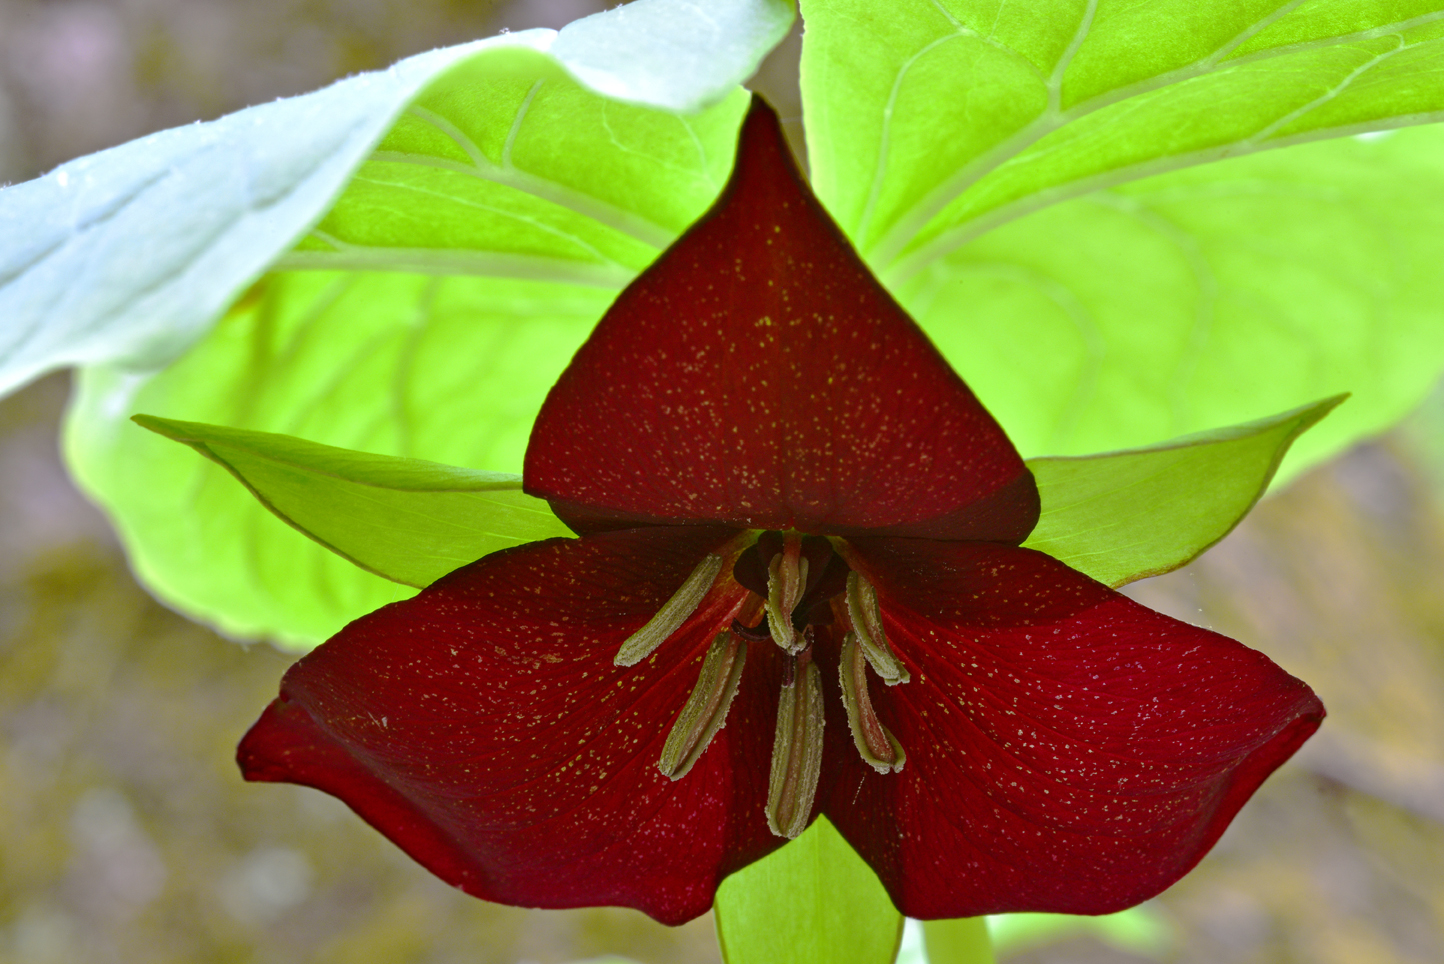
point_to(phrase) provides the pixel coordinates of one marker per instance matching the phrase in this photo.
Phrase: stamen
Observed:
(786, 579)
(879, 748)
(866, 619)
(706, 709)
(796, 750)
(672, 615)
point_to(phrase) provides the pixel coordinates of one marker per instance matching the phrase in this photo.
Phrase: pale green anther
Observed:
(796, 753)
(672, 615)
(866, 617)
(786, 578)
(706, 709)
(878, 747)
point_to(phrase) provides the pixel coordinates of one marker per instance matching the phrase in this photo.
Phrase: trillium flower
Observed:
(798, 590)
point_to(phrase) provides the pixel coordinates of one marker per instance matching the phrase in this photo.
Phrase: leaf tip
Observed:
(160, 426)
(1322, 407)
(177, 431)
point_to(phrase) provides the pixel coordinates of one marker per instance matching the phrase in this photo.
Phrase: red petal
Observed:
(483, 727)
(757, 375)
(1068, 749)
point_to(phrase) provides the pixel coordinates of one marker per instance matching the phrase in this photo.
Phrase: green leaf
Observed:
(128, 256)
(408, 520)
(1056, 98)
(1206, 297)
(812, 902)
(459, 293)
(962, 941)
(1122, 516)
(484, 175)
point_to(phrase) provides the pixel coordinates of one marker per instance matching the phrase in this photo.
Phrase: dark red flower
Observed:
(795, 520)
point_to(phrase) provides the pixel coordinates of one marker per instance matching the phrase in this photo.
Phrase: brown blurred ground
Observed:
(127, 836)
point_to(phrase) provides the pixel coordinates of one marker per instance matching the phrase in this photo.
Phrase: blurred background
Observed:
(126, 834)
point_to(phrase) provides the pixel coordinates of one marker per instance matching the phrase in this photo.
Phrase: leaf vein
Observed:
(625, 222)
(955, 237)
(1324, 98)
(885, 255)
(1055, 80)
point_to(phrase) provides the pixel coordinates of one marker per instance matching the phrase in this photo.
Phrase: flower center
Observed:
(803, 590)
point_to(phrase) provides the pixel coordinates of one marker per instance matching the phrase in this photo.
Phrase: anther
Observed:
(706, 709)
(796, 749)
(878, 747)
(672, 615)
(866, 619)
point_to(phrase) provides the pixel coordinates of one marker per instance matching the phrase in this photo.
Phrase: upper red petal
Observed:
(1068, 749)
(757, 375)
(483, 727)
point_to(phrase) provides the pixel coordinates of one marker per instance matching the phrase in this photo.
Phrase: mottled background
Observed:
(126, 834)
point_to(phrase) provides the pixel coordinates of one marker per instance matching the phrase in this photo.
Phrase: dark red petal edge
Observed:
(1068, 749)
(483, 728)
(757, 375)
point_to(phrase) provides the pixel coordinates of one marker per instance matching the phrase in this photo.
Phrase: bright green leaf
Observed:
(128, 256)
(408, 520)
(1053, 99)
(525, 177)
(812, 902)
(1121, 516)
(1207, 297)
(962, 941)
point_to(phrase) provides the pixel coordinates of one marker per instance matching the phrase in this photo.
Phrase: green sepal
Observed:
(961, 941)
(409, 520)
(1122, 516)
(813, 901)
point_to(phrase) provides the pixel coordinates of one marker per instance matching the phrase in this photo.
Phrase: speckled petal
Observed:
(1068, 749)
(483, 727)
(757, 375)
